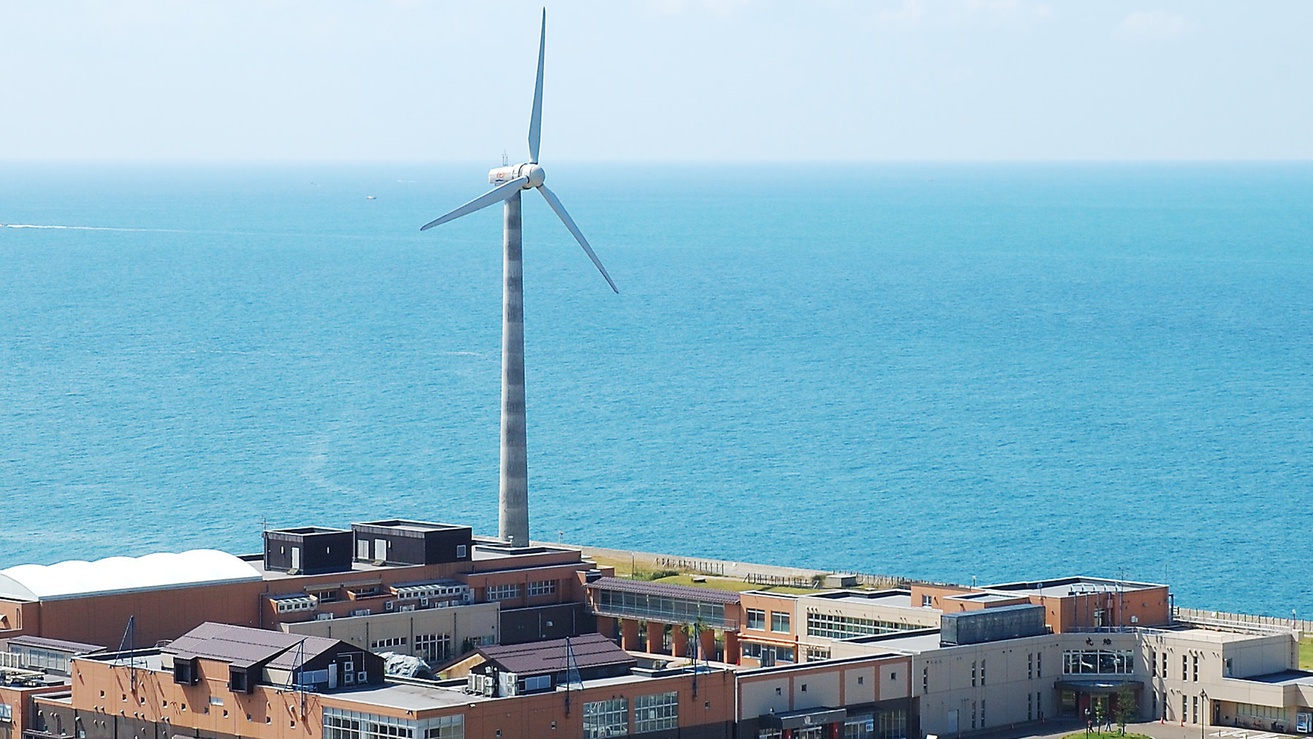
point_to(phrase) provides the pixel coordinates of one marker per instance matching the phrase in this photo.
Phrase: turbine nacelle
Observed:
(531, 172)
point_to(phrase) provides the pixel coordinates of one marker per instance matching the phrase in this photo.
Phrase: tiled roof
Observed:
(547, 657)
(244, 647)
(682, 592)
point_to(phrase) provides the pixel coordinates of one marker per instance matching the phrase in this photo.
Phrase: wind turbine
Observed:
(510, 181)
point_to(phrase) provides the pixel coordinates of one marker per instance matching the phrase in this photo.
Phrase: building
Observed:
(538, 640)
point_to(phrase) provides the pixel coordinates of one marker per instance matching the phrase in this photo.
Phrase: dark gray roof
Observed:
(548, 657)
(663, 590)
(54, 645)
(244, 647)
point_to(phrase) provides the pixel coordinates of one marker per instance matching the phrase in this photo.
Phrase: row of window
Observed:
(883, 725)
(1034, 665)
(835, 626)
(339, 724)
(779, 622)
(768, 654)
(1034, 706)
(1098, 662)
(1189, 666)
(510, 591)
(661, 608)
(610, 718)
(433, 647)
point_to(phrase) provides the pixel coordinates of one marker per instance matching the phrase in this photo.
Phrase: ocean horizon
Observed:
(944, 371)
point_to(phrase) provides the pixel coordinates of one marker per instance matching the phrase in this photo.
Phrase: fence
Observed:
(1242, 621)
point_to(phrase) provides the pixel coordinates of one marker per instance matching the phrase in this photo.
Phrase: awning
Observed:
(1106, 686)
(803, 719)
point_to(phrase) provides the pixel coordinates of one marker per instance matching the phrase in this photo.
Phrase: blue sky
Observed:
(657, 80)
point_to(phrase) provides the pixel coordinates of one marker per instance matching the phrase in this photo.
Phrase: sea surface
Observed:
(952, 372)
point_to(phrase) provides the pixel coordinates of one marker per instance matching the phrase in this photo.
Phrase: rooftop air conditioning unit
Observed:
(389, 606)
(424, 601)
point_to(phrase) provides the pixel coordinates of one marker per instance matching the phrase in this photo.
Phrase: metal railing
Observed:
(1241, 622)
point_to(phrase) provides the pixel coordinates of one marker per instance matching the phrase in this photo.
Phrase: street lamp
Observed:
(1203, 719)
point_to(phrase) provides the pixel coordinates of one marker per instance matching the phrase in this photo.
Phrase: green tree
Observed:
(1127, 709)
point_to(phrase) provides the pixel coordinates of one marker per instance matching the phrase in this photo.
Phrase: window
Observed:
(325, 596)
(1030, 666)
(1185, 667)
(927, 601)
(838, 626)
(508, 591)
(604, 719)
(461, 551)
(1195, 668)
(973, 683)
(779, 622)
(925, 679)
(537, 682)
(1039, 706)
(1153, 663)
(893, 724)
(388, 643)
(1164, 664)
(860, 726)
(1039, 664)
(542, 587)
(433, 647)
(756, 619)
(1098, 662)
(1030, 707)
(982, 713)
(1268, 713)
(982, 682)
(815, 654)
(973, 714)
(767, 654)
(1194, 714)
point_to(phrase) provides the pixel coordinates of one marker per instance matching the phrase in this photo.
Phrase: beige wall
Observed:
(459, 622)
(942, 680)
(833, 683)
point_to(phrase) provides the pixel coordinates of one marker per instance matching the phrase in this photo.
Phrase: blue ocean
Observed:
(953, 372)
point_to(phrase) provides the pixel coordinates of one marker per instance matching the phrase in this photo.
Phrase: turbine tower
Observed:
(510, 181)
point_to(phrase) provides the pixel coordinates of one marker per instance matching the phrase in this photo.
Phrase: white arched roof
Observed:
(123, 574)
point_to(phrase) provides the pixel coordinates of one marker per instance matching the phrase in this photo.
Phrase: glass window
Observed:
(508, 591)
(779, 622)
(756, 619)
(606, 718)
(542, 587)
(656, 712)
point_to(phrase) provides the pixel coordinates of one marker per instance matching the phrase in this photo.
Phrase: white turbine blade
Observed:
(495, 195)
(553, 201)
(536, 117)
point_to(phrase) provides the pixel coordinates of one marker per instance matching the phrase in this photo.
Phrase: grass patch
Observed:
(738, 586)
(1306, 654)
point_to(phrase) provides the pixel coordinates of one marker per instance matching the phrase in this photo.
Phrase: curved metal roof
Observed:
(123, 574)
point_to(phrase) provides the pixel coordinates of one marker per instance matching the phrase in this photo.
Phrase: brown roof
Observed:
(547, 657)
(682, 592)
(57, 645)
(244, 647)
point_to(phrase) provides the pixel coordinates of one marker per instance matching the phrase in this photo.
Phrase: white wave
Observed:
(92, 228)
